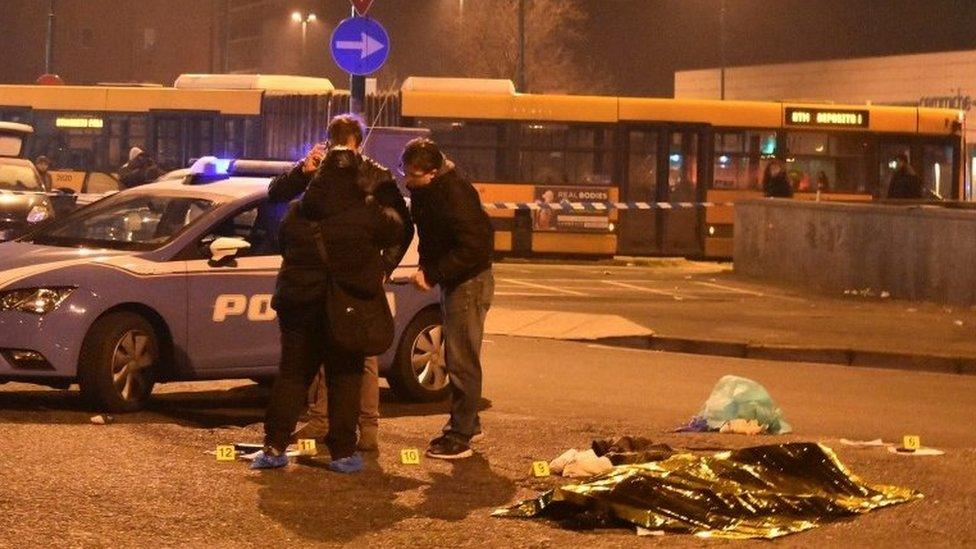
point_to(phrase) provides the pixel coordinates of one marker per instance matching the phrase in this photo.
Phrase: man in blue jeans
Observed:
(456, 242)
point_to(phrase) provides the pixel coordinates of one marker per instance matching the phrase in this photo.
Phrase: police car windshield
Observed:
(138, 222)
(18, 175)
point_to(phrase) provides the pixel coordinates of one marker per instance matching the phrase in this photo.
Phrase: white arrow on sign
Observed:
(367, 45)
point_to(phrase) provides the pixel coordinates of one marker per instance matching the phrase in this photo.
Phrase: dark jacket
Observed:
(905, 184)
(456, 237)
(364, 234)
(778, 186)
(141, 170)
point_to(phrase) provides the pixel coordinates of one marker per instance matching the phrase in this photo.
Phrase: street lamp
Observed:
(304, 18)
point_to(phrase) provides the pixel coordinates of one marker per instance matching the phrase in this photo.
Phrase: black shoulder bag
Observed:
(356, 324)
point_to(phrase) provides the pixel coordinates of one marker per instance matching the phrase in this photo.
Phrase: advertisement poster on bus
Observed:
(566, 219)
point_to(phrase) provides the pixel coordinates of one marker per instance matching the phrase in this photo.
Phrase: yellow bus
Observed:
(668, 159)
(674, 156)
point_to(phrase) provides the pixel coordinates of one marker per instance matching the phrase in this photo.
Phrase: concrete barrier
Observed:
(915, 252)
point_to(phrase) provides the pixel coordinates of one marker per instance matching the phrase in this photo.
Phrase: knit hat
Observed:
(134, 152)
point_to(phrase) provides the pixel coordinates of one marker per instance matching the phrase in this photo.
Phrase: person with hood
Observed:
(139, 170)
(43, 165)
(346, 231)
(456, 242)
(904, 182)
(775, 182)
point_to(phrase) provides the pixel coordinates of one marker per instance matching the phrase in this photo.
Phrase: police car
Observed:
(173, 281)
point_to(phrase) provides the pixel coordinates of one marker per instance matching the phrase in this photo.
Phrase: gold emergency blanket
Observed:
(758, 492)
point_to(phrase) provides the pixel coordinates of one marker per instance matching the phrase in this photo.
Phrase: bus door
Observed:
(178, 137)
(682, 187)
(665, 165)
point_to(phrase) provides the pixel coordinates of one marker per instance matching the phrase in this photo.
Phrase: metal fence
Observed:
(292, 123)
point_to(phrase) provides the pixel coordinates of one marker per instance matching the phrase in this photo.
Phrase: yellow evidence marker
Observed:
(306, 447)
(410, 456)
(911, 442)
(226, 452)
(540, 468)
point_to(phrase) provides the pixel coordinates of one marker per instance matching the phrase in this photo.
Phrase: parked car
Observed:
(24, 202)
(173, 281)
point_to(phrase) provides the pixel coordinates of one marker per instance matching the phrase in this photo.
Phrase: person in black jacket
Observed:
(904, 182)
(775, 182)
(139, 170)
(456, 242)
(337, 233)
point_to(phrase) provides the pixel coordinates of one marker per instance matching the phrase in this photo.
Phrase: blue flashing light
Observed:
(675, 158)
(210, 166)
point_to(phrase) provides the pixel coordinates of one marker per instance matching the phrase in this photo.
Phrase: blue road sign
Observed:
(360, 45)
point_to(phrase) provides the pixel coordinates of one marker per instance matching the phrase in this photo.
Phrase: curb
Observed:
(943, 364)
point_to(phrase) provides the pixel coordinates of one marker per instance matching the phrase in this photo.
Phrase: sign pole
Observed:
(357, 87)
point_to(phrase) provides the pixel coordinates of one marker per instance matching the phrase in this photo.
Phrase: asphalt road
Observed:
(700, 300)
(146, 479)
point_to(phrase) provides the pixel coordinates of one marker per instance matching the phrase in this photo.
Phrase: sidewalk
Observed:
(752, 319)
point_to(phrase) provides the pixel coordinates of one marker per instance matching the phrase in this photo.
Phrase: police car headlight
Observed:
(38, 301)
(38, 213)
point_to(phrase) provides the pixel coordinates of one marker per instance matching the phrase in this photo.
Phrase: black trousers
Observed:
(304, 347)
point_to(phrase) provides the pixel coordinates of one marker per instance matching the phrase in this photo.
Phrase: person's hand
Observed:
(314, 158)
(420, 281)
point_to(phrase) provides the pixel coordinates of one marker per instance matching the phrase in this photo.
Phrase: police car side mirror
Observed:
(226, 247)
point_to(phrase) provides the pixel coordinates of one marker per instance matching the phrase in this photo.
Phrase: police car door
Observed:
(232, 327)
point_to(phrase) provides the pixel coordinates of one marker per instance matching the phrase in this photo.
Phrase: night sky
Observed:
(670, 35)
(629, 47)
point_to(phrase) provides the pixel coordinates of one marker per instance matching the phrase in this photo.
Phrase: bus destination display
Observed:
(796, 116)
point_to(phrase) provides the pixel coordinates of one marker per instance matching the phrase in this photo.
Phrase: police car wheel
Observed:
(116, 370)
(419, 371)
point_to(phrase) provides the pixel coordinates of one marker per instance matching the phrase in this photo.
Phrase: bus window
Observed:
(937, 165)
(476, 147)
(830, 162)
(642, 167)
(169, 140)
(738, 161)
(683, 167)
(560, 154)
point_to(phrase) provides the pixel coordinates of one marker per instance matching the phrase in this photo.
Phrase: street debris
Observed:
(606, 453)
(759, 492)
(738, 398)
(921, 452)
(580, 464)
(892, 447)
(742, 427)
(102, 419)
(863, 443)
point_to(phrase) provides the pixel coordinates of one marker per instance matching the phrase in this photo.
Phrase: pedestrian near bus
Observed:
(332, 239)
(43, 165)
(904, 182)
(775, 182)
(456, 242)
(139, 170)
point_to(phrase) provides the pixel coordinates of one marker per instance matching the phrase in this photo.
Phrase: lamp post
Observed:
(721, 47)
(521, 38)
(304, 18)
(49, 42)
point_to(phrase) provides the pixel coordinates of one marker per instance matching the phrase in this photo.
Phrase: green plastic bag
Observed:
(736, 397)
